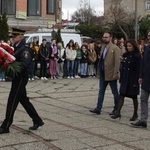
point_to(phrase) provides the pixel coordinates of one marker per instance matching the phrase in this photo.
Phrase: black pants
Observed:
(43, 68)
(16, 95)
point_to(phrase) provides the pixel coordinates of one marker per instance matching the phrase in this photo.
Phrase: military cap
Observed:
(15, 31)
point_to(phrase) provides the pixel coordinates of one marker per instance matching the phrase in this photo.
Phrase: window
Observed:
(148, 5)
(30, 39)
(8, 7)
(48, 38)
(34, 7)
(51, 6)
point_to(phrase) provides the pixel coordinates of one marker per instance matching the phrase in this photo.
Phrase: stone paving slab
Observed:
(64, 106)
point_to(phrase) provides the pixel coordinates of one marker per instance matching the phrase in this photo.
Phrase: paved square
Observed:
(64, 106)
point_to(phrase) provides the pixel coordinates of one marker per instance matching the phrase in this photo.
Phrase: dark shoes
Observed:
(2, 131)
(35, 126)
(96, 111)
(113, 112)
(134, 117)
(117, 115)
(139, 124)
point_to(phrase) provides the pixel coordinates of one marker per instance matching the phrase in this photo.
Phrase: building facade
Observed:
(32, 14)
(129, 6)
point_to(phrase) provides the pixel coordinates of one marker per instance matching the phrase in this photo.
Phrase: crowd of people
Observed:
(53, 60)
(70, 62)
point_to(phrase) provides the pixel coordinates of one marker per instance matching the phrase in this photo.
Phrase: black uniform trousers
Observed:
(18, 94)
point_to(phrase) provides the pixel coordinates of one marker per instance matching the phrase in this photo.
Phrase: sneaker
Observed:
(3, 79)
(32, 79)
(77, 77)
(54, 77)
(42, 78)
(45, 78)
(68, 77)
(36, 77)
(29, 79)
(72, 77)
(51, 78)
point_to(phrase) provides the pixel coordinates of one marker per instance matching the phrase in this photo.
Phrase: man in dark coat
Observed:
(145, 85)
(18, 88)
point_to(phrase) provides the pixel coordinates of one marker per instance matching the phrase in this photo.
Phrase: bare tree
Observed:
(117, 15)
(84, 12)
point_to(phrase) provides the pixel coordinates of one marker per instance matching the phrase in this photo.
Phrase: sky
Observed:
(70, 6)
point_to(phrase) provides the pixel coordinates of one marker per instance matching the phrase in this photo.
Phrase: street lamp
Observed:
(136, 21)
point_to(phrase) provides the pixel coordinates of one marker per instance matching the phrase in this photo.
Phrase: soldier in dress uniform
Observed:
(18, 93)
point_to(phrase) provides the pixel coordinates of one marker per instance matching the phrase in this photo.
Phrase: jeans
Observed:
(102, 87)
(76, 66)
(83, 69)
(2, 75)
(91, 70)
(70, 67)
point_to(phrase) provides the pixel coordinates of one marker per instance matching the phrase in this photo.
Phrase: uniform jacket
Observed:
(130, 71)
(145, 69)
(23, 54)
(111, 61)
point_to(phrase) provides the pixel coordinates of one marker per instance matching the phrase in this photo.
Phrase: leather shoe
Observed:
(113, 112)
(139, 124)
(2, 131)
(96, 111)
(35, 126)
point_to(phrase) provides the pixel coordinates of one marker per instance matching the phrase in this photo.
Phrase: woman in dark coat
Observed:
(129, 76)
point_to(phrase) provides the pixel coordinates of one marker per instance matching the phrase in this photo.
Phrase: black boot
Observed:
(135, 115)
(117, 113)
